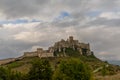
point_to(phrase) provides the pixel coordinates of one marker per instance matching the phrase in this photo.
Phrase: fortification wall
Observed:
(45, 55)
(83, 45)
(30, 54)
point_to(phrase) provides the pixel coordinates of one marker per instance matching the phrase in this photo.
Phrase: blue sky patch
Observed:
(18, 21)
(34, 20)
(62, 15)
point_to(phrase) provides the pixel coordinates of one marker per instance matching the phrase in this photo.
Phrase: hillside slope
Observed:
(97, 66)
(24, 64)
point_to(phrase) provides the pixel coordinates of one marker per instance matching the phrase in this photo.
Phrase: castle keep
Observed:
(60, 47)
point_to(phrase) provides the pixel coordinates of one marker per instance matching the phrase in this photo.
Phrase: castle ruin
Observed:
(61, 46)
(40, 53)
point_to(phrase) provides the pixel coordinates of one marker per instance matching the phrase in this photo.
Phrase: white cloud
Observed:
(110, 15)
(29, 36)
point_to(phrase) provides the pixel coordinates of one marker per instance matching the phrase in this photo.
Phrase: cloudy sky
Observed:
(28, 24)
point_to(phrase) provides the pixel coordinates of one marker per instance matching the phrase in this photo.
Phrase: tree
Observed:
(16, 76)
(3, 74)
(105, 70)
(40, 70)
(72, 69)
(7, 74)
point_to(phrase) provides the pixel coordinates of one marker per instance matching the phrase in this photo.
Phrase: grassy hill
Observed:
(94, 63)
(24, 64)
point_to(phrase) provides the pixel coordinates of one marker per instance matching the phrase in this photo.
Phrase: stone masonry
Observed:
(40, 53)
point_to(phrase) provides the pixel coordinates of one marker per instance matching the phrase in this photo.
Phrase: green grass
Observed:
(15, 64)
(24, 64)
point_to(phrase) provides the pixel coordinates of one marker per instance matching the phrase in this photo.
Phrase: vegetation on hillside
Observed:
(72, 67)
(7, 74)
(40, 70)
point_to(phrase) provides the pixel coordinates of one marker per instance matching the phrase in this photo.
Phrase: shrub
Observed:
(73, 69)
(40, 70)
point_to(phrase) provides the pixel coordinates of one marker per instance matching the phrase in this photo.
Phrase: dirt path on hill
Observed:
(112, 77)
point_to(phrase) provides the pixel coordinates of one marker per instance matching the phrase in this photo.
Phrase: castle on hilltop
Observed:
(61, 47)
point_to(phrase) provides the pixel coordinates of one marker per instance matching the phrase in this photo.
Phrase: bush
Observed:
(40, 70)
(73, 69)
(7, 74)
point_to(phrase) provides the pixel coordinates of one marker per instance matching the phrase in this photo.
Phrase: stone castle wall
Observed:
(30, 54)
(40, 53)
(43, 55)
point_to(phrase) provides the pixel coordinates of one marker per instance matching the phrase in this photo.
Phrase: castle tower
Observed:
(70, 38)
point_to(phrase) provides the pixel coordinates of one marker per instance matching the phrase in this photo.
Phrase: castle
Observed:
(61, 46)
(56, 50)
